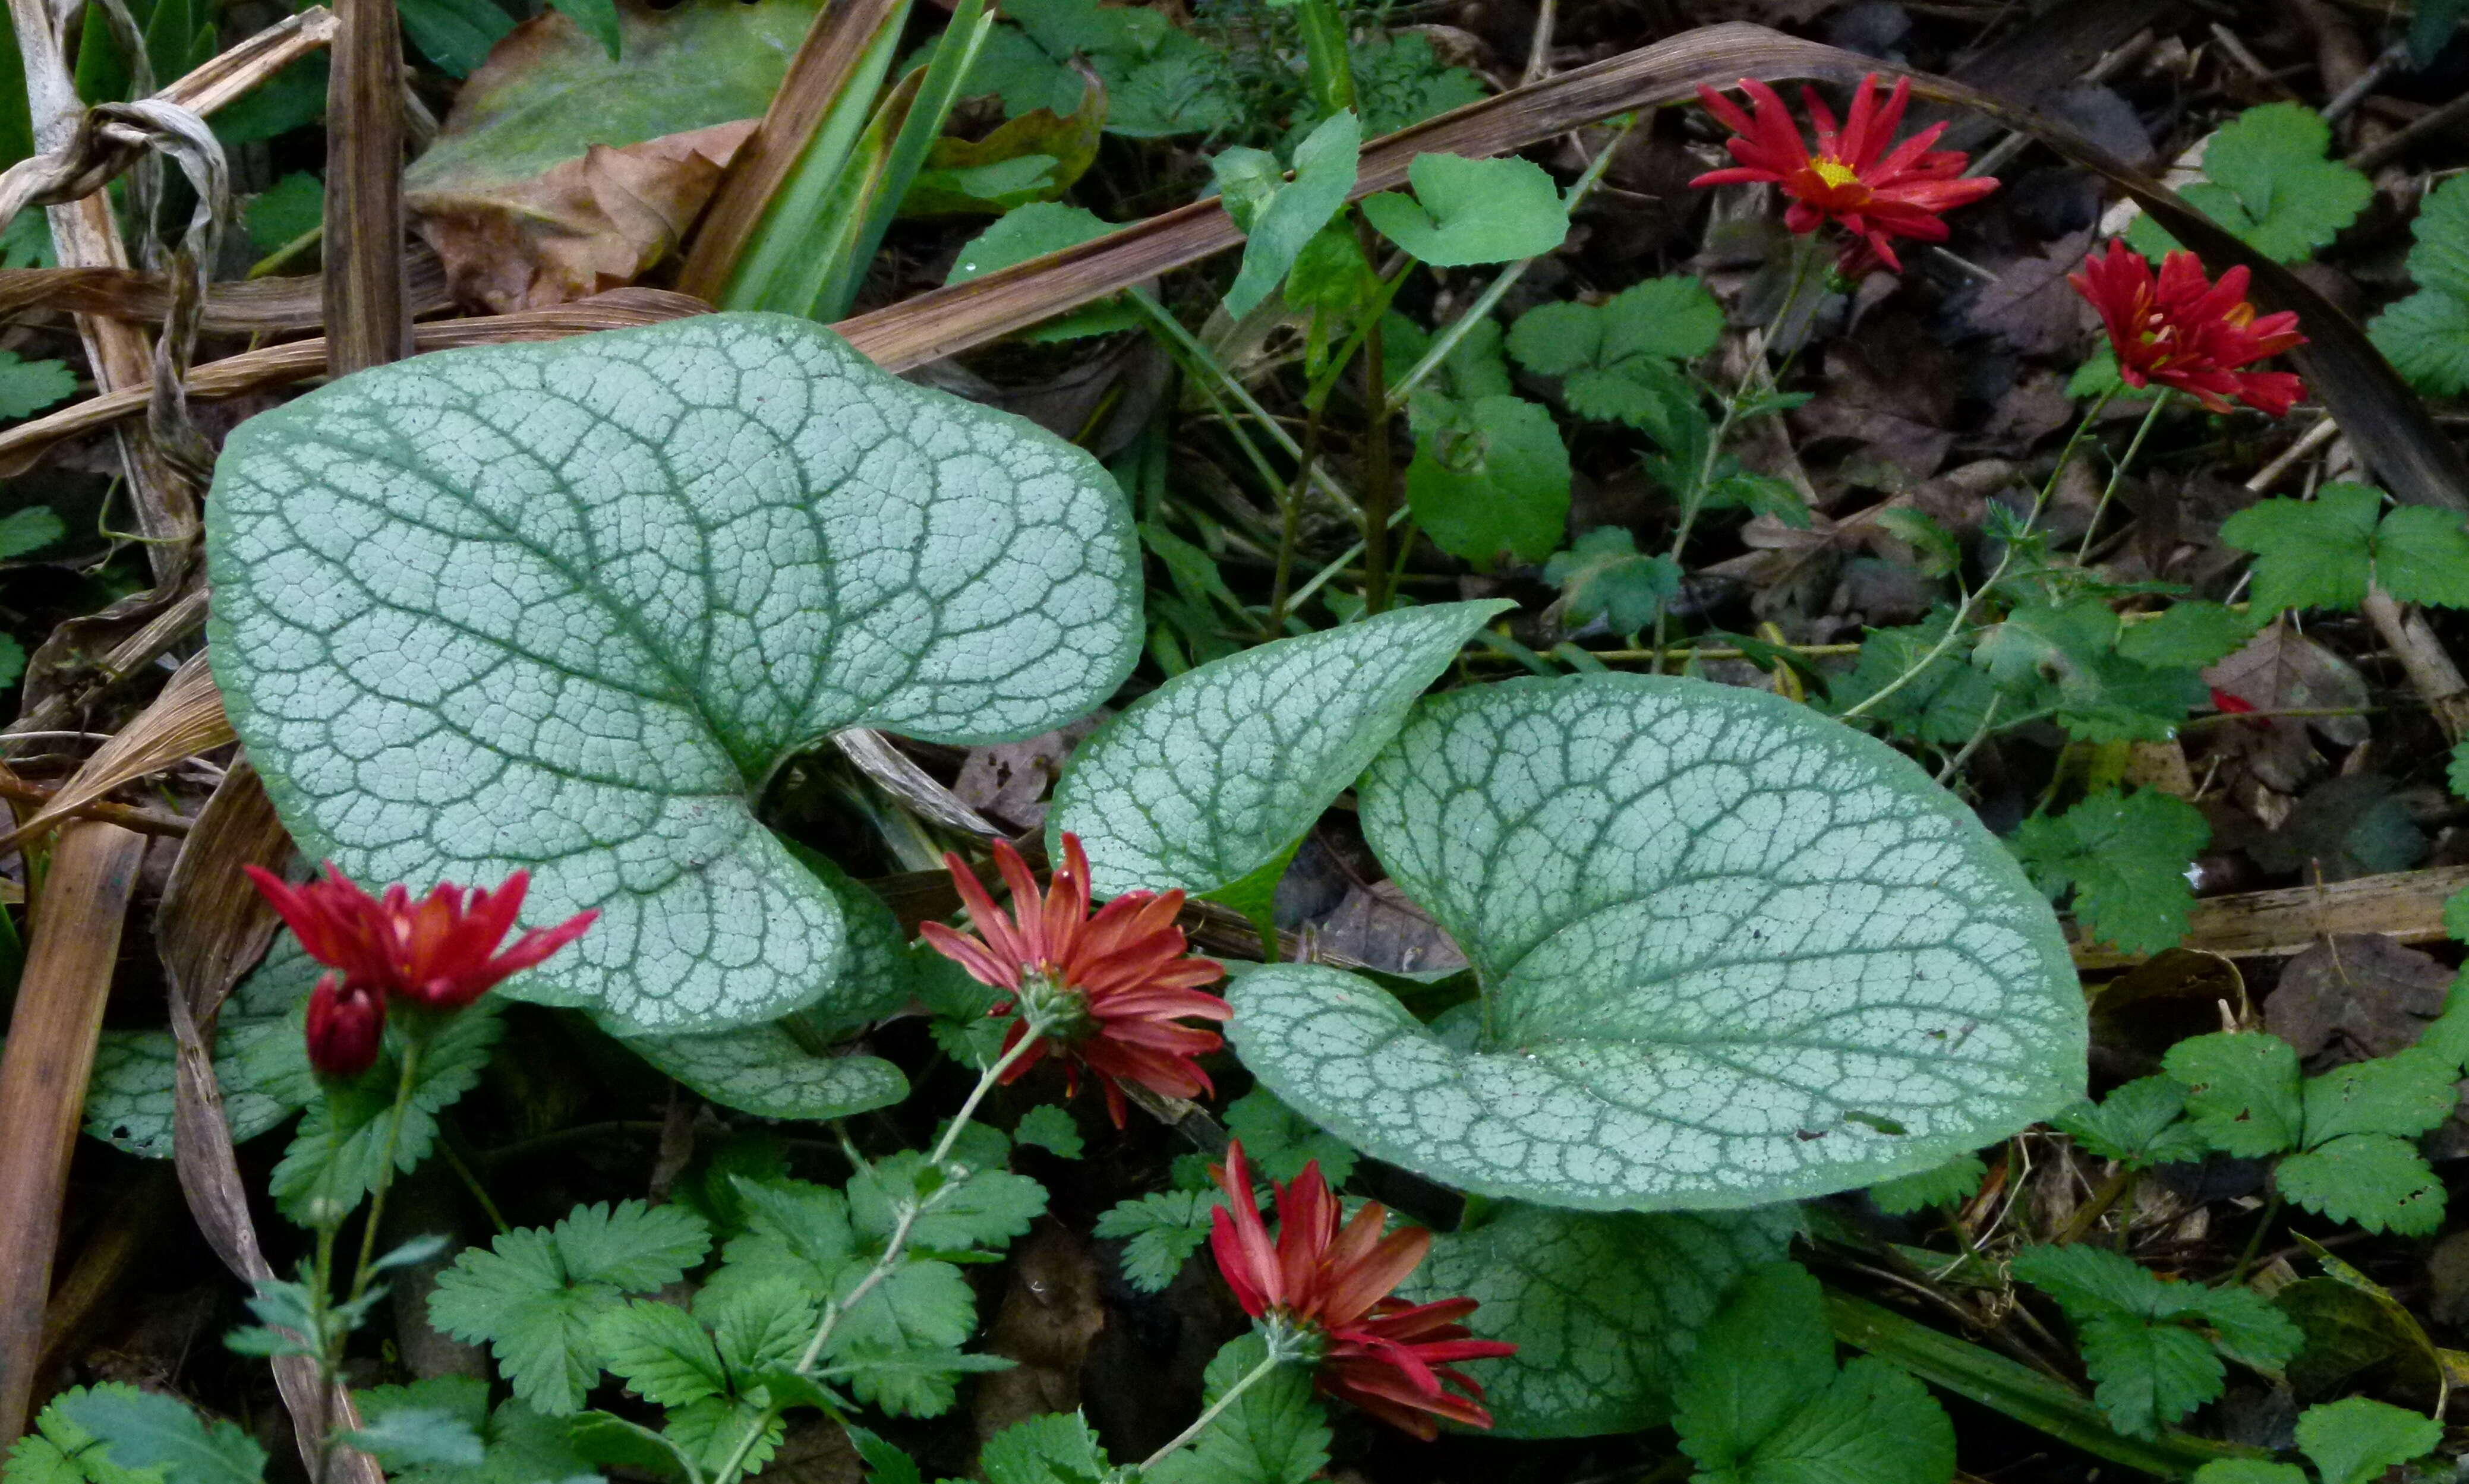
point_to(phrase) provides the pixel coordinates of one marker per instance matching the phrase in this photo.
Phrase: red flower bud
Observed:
(346, 1022)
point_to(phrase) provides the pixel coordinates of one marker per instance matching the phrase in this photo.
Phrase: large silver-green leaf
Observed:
(261, 1062)
(566, 605)
(1208, 777)
(1602, 1307)
(1731, 953)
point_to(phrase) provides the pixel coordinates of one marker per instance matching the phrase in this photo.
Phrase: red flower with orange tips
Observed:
(440, 953)
(1106, 992)
(2184, 330)
(1333, 1282)
(1854, 178)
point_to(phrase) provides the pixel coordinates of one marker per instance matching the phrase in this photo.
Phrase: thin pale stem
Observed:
(2005, 558)
(1200, 1425)
(385, 1174)
(1198, 354)
(2118, 472)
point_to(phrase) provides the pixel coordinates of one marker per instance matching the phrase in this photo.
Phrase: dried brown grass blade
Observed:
(280, 365)
(368, 300)
(830, 52)
(899, 775)
(270, 306)
(43, 1073)
(211, 928)
(186, 720)
(2360, 389)
(2406, 905)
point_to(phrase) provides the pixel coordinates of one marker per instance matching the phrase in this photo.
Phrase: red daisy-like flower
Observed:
(2184, 330)
(1105, 992)
(1389, 1358)
(1876, 193)
(439, 952)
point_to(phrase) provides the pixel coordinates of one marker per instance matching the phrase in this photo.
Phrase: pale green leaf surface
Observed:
(2457, 774)
(2404, 1095)
(456, 34)
(763, 1070)
(2354, 1440)
(599, 21)
(1732, 953)
(2267, 181)
(987, 1208)
(2248, 1471)
(144, 1429)
(708, 1431)
(565, 606)
(409, 1437)
(1594, 1356)
(1033, 230)
(1057, 1447)
(1491, 479)
(1602, 575)
(2372, 1180)
(1205, 778)
(129, 1102)
(1619, 360)
(1276, 229)
(1050, 1129)
(2426, 338)
(1467, 211)
(57, 1450)
(2188, 631)
(2242, 1092)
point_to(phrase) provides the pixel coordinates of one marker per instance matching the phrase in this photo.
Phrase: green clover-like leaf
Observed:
(1731, 953)
(567, 607)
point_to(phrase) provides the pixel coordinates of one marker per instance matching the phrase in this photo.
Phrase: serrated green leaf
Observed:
(2356, 1439)
(2422, 556)
(709, 1430)
(57, 1450)
(1050, 1129)
(145, 1429)
(2242, 1092)
(2188, 632)
(1494, 478)
(758, 1327)
(1273, 1434)
(1874, 1425)
(565, 606)
(341, 1144)
(1662, 884)
(1278, 1141)
(661, 1354)
(2370, 1180)
(2403, 1095)
(2248, 1471)
(2148, 1375)
(2070, 654)
(1946, 701)
(2137, 1123)
(987, 1208)
(1033, 230)
(2088, 1281)
(1593, 1357)
(1467, 211)
(1601, 574)
(28, 387)
(885, 1463)
(1398, 81)
(1279, 216)
(1160, 1231)
(2455, 915)
(534, 1295)
(1951, 1183)
(1201, 781)
(2125, 858)
(2426, 338)
(410, 1437)
(2310, 553)
(2267, 181)
(457, 34)
(29, 530)
(2136, 1341)
(1057, 1447)
(1619, 359)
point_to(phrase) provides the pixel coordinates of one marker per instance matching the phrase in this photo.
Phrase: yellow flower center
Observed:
(1833, 171)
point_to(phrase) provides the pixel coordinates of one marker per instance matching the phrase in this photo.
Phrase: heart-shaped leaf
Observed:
(1594, 1357)
(1211, 775)
(1731, 953)
(567, 607)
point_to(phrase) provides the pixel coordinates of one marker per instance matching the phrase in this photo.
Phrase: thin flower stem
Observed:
(1972, 743)
(385, 1175)
(1197, 355)
(1200, 1424)
(2255, 1243)
(2005, 558)
(2118, 472)
(1446, 339)
(894, 1248)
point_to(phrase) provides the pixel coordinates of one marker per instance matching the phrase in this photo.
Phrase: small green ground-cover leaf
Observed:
(2325, 552)
(57, 1450)
(1663, 886)
(564, 607)
(2267, 181)
(1274, 1433)
(519, 1444)
(1951, 1183)
(1160, 1231)
(2126, 859)
(1033, 231)
(2139, 1124)
(1491, 478)
(147, 1430)
(2426, 335)
(1468, 212)
(1762, 1401)
(1593, 1357)
(28, 387)
(336, 1156)
(2357, 1439)
(2153, 1348)
(1279, 216)
(1208, 777)
(1621, 361)
(1602, 575)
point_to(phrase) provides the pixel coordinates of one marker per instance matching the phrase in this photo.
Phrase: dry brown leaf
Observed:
(2282, 670)
(186, 720)
(1010, 779)
(2356, 995)
(578, 228)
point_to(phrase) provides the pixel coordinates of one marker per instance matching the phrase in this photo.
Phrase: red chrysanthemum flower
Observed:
(1389, 1358)
(1106, 992)
(346, 1024)
(1876, 193)
(2184, 330)
(439, 952)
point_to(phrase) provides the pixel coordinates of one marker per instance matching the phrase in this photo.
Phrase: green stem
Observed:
(2005, 558)
(1197, 356)
(2089, 1213)
(1379, 487)
(1200, 1425)
(2118, 472)
(1290, 524)
(385, 1173)
(2255, 1243)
